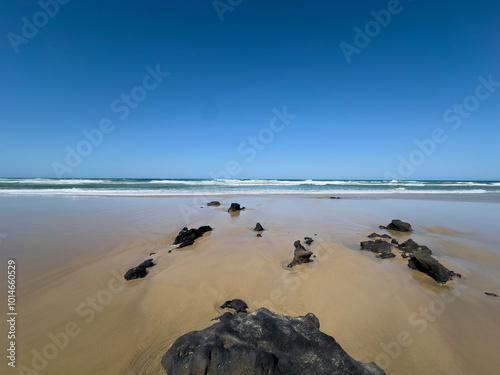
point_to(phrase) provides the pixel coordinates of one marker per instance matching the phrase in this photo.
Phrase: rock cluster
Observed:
(420, 257)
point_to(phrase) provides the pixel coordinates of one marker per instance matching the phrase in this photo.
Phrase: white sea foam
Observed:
(174, 192)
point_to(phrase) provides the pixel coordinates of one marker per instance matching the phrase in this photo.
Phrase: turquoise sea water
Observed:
(167, 187)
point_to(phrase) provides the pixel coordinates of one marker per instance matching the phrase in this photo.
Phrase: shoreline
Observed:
(457, 197)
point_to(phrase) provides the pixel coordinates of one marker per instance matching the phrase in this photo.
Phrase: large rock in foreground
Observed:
(262, 343)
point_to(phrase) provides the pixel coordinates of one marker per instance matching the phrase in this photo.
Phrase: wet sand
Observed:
(72, 253)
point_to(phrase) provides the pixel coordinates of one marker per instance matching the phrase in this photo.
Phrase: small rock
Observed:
(394, 241)
(334, 197)
(147, 263)
(235, 207)
(136, 273)
(491, 294)
(140, 271)
(224, 316)
(258, 228)
(379, 235)
(308, 240)
(422, 261)
(397, 225)
(377, 246)
(300, 254)
(187, 236)
(410, 246)
(259, 235)
(238, 305)
(214, 203)
(386, 255)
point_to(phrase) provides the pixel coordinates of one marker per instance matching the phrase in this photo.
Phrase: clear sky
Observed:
(361, 84)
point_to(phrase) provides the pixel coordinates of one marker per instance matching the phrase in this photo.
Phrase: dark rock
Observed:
(262, 343)
(136, 273)
(308, 240)
(377, 246)
(386, 255)
(453, 273)
(147, 263)
(410, 246)
(491, 294)
(422, 261)
(379, 235)
(398, 225)
(224, 316)
(140, 271)
(259, 235)
(334, 197)
(300, 254)
(238, 305)
(394, 241)
(235, 207)
(186, 236)
(170, 251)
(258, 228)
(214, 203)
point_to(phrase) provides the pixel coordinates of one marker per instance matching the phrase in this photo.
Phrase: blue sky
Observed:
(358, 115)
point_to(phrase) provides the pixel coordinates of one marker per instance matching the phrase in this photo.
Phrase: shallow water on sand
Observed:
(72, 252)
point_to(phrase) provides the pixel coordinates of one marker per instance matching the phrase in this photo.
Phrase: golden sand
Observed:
(71, 263)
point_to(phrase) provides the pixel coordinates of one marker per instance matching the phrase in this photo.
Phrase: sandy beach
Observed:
(71, 255)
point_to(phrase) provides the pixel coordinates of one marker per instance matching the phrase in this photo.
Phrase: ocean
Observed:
(207, 187)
